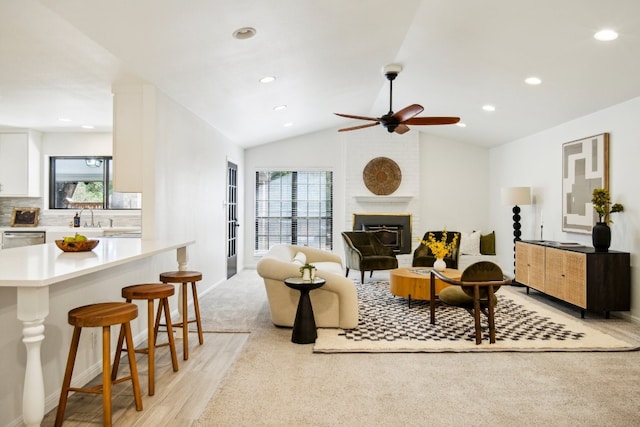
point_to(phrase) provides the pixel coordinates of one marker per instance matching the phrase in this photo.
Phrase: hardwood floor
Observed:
(180, 397)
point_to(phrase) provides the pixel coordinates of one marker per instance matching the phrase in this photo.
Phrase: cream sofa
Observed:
(335, 304)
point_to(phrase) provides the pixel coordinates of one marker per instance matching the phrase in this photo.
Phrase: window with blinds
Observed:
(294, 207)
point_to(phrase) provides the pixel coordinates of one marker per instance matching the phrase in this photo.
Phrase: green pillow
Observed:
(488, 244)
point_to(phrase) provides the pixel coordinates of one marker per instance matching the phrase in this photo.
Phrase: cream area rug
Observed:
(388, 324)
(274, 382)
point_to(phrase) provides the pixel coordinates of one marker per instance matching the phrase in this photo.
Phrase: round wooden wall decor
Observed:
(382, 176)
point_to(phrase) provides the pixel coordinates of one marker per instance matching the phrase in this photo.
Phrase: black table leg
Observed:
(304, 327)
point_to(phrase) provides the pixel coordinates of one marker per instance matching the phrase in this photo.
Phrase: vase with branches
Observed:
(602, 204)
(601, 233)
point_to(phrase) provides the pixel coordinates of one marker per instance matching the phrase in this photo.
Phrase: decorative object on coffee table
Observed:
(439, 264)
(382, 176)
(424, 257)
(304, 327)
(440, 247)
(601, 233)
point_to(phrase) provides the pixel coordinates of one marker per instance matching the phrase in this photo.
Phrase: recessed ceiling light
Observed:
(244, 33)
(64, 119)
(532, 81)
(462, 125)
(87, 126)
(288, 125)
(605, 35)
(267, 79)
(279, 107)
(488, 107)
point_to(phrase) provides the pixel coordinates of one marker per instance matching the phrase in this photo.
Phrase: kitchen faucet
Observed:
(90, 210)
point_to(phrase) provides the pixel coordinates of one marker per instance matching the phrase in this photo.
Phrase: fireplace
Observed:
(393, 230)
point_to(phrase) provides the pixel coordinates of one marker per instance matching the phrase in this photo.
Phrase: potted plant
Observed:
(601, 233)
(308, 272)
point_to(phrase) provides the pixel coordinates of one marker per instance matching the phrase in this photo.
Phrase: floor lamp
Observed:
(516, 196)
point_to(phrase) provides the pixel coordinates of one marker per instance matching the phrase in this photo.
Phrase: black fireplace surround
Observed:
(393, 230)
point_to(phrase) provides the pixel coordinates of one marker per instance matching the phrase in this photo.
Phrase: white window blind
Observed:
(294, 207)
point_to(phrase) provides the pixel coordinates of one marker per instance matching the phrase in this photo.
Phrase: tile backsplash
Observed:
(62, 217)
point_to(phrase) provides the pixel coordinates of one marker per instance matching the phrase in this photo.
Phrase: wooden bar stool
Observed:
(185, 277)
(103, 315)
(150, 292)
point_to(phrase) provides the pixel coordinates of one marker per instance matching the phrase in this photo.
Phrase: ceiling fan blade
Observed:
(408, 112)
(402, 128)
(351, 116)
(432, 120)
(368, 125)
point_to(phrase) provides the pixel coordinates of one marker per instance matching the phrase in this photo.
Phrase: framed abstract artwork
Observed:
(585, 166)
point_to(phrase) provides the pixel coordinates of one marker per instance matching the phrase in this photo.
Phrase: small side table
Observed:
(304, 327)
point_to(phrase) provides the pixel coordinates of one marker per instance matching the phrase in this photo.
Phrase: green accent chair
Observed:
(423, 257)
(475, 292)
(363, 251)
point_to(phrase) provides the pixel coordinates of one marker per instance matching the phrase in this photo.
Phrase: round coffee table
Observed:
(304, 327)
(414, 282)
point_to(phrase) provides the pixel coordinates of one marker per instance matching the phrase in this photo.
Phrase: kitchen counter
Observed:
(34, 269)
(44, 265)
(73, 230)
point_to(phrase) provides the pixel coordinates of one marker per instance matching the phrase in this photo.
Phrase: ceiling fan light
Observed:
(606, 35)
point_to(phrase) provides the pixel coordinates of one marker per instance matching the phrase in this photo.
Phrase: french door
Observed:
(232, 219)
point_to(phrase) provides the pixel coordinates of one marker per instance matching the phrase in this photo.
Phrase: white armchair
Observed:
(335, 305)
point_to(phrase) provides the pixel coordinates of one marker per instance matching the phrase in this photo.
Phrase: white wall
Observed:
(187, 182)
(536, 161)
(446, 180)
(454, 185)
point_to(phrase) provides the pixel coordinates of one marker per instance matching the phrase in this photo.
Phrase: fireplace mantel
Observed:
(383, 199)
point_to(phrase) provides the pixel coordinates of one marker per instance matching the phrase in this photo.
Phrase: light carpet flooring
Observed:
(262, 379)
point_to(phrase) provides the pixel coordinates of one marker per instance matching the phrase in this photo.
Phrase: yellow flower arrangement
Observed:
(440, 248)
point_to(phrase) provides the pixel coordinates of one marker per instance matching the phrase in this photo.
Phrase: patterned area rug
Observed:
(387, 324)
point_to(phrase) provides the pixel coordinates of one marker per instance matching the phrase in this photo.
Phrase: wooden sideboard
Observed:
(591, 280)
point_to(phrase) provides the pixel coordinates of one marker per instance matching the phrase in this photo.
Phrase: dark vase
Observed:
(601, 237)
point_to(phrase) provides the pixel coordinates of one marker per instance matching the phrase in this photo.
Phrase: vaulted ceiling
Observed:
(59, 59)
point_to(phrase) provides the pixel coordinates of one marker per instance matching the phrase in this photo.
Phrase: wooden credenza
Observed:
(590, 280)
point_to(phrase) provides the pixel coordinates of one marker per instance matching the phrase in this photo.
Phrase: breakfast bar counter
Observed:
(33, 270)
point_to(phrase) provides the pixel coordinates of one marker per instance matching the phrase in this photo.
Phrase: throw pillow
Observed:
(488, 244)
(470, 243)
(300, 259)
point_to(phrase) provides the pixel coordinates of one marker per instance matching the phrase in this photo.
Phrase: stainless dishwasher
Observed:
(15, 239)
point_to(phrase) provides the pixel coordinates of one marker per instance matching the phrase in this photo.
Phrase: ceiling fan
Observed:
(398, 122)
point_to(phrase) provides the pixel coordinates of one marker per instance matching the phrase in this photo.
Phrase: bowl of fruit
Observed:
(77, 243)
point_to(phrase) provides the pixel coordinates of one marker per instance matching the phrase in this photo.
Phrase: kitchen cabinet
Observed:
(579, 275)
(20, 164)
(133, 135)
